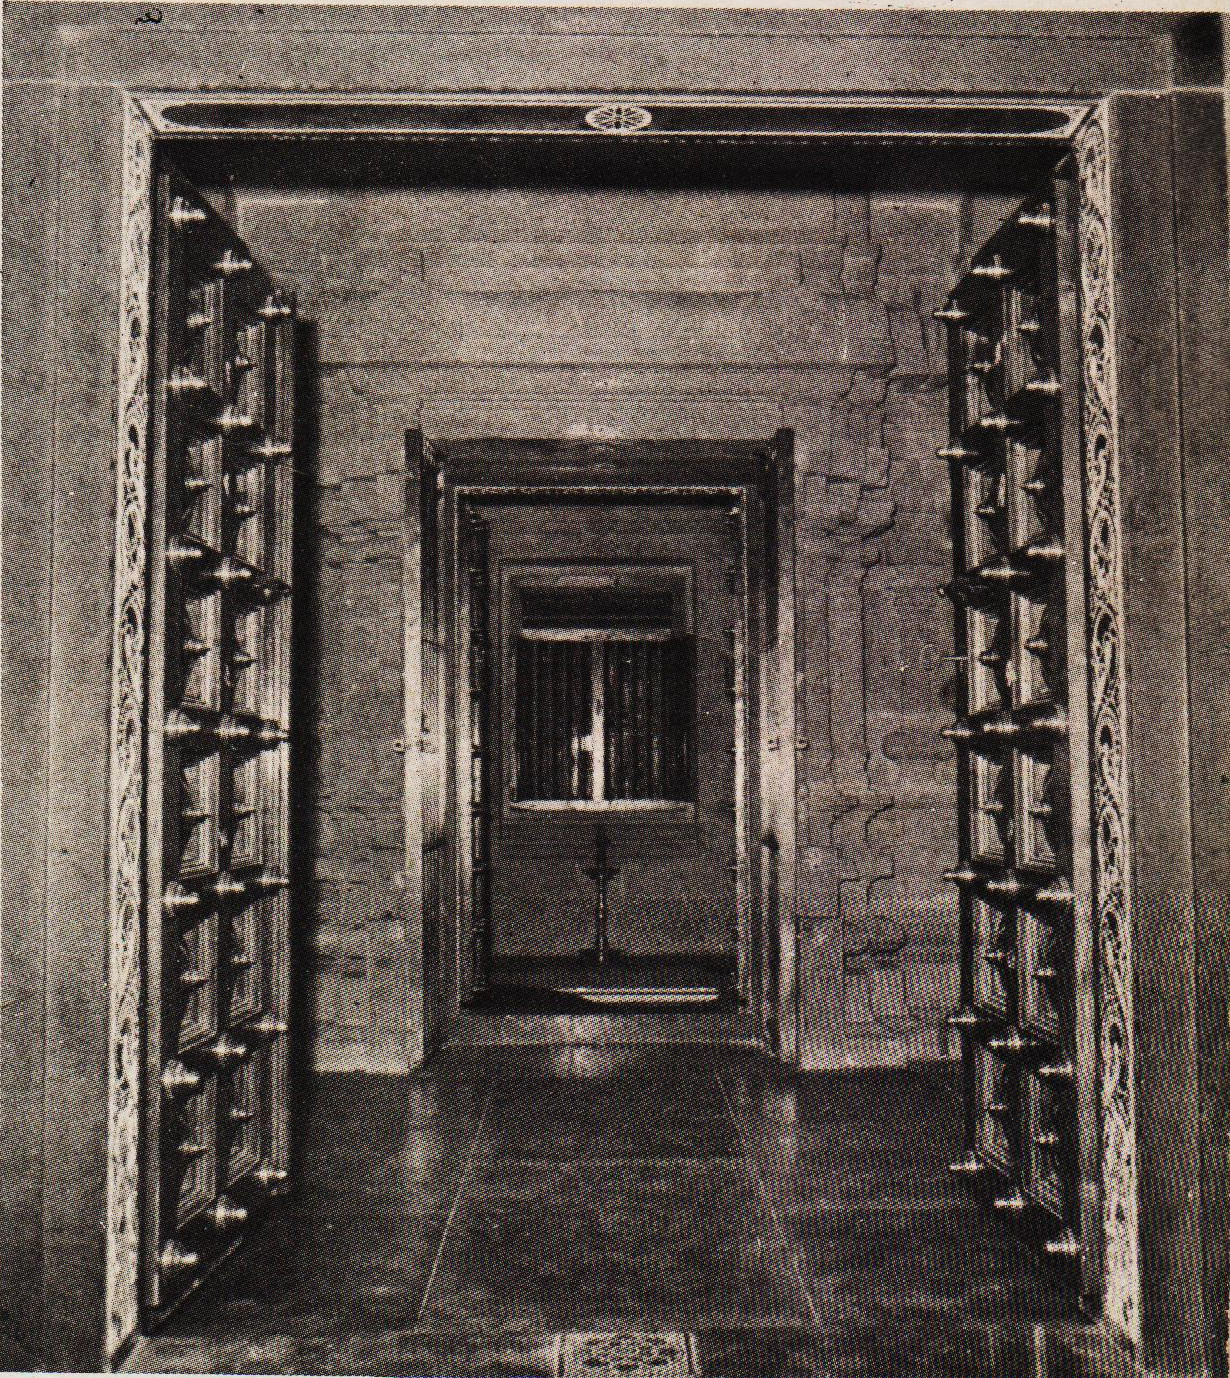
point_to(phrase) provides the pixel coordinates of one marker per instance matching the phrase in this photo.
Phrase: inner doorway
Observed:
(600, 648)
(613, 863)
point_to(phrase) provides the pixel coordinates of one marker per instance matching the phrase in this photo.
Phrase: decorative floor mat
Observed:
(632, 1354)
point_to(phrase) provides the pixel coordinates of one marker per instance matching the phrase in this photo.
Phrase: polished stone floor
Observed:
(459, 1221)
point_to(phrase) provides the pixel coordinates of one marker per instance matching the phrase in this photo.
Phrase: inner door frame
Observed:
(756, 477)
(1087, 135)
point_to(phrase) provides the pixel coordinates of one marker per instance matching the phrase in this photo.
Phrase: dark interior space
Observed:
(858, 164)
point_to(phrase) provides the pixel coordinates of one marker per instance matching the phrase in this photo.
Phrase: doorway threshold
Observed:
(585, 1011)
(575, 984)
(646, 995)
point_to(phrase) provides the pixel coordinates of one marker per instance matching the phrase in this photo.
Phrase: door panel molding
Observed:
(1100, 1033)
(233, 1136)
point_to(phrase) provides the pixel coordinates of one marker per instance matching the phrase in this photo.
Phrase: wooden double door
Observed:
(219, 726)
(216, 1097)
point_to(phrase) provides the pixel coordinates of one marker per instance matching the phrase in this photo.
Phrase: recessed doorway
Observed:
(596, 670)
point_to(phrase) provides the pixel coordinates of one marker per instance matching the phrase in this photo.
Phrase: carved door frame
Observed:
(1087, 132)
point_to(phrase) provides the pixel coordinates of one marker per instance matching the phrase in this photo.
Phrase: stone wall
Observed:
(683, 313)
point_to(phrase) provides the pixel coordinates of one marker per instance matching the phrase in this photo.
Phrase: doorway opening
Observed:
(599, 769)
(610, 649)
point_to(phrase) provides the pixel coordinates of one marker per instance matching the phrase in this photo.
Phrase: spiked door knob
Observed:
(178, 900)
(225, 1052)
(997, 421)
(1013, 1044)
(1006, 887)
(176, 1258)
(183, 380)
(269, 881)
(228, 887)
(274, 308)
(968, 1165)
(1045, 386)
(184, 555)
(959, 732)
(955, 450)
(184, 214)
(179, 727)
(230, 574)
(966, 1018)
(962, 875)
(1011, 1203)
(995, 271)
(269, 1026)
(1062, 1072)
(1065, 1245)
(1041, 219)
(1058, 893)
(270, 451)
(226, 1215)
(231, 263)
(179, 1080)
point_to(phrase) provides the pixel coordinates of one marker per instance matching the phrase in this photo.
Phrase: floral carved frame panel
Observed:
(128, 683)
(1112, 897)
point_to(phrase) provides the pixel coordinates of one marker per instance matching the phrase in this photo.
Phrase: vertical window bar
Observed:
(521, 702)
(559, 726)
(529, 781)
(640, 781)
(628, 722)
(572, 738)
(595, 665)
(541, 710)
(546, 742)
(678, 667)
(656, 706)
(633, 680)
(611, 737)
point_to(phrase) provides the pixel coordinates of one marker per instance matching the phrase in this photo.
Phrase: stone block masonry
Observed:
(625, 313)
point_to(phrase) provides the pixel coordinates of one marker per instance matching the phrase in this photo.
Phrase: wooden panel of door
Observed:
(1023, 824)
(216, 1103)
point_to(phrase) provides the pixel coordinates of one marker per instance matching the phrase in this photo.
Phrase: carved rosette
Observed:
(127, 739)
(1112, 880)
(618, 118)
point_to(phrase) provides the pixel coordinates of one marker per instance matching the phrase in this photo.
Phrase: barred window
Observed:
(603, 702)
